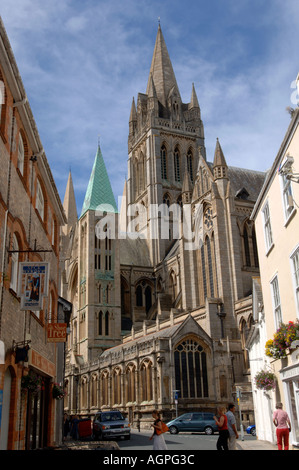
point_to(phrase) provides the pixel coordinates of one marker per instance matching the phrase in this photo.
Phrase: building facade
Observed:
(161, 287)
(277, 227)
(31, 214)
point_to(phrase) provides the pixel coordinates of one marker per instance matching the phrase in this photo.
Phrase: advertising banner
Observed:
(57, 332)
(33, 284)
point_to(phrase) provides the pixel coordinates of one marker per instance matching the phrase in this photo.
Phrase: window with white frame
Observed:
(276, 302)
(21, 154)
(295, 262)
(287, 193)
(267, 226)
(40, 203)
(14, 264)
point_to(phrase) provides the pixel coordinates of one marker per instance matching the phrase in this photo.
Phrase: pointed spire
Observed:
(99, 189)
(69, 205)
(219, 164)
(133, 114)
(161, 71)
(194, 100)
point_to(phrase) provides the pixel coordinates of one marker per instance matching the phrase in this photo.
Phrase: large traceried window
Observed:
(191, 375)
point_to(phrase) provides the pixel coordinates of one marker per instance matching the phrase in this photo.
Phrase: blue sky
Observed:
(83, 61)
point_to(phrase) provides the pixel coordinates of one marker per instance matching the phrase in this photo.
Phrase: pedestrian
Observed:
(232, 429)
(283, 427)
(159, 441)
(74, 429)
(221, 421)
(66, 425)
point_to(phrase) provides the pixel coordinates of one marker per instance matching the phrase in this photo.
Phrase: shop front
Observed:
(290, 379)
(37, 385)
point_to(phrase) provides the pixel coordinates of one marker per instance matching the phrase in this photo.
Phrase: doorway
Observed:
(37, 417)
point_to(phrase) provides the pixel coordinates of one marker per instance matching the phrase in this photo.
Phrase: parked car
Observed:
(107, 424)
(193, 422)
(251, 430)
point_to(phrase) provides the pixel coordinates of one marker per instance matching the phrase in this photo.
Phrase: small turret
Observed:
(219, 164)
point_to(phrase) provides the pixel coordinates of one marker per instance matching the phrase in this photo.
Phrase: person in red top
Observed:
(221, 421)
(283, 426)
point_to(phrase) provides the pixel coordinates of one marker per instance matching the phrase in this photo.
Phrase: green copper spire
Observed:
(99, 189)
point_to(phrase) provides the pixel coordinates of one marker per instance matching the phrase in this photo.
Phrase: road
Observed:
(178, 442)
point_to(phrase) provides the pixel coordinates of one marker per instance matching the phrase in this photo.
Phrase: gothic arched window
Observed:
(146, 391)
(191, 374)
(177, 169)
(190, 164)
(130, 383)
(163, 163)
(105, 388)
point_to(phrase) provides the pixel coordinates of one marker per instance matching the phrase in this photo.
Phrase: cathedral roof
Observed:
(99, 189)
(250, 180)
(161, 72)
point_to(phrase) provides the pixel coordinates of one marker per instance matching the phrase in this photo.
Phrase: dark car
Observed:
(110, 424)
(193, 422)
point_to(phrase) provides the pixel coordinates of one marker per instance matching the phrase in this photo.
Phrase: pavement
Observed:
(255, 444)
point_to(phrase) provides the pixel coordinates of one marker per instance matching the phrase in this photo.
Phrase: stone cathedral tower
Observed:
(150, 314)
(165, 138)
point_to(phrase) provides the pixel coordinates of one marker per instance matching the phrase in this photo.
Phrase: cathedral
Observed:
(161, 287)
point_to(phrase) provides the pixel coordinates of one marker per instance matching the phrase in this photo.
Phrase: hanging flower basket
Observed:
(57, 392)
(279, 346)
(265, 380)
(32, 383)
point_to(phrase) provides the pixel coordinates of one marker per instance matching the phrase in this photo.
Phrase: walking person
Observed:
(66, 426)
(159, 441)
(283, 427)
(222, 443)
(232, 428)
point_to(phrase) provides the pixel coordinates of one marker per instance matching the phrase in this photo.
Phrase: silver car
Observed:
(110, 424)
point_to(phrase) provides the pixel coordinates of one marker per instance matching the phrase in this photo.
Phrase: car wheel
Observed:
(173, 430)
(209, 431)
(127, 438)
(253, 432)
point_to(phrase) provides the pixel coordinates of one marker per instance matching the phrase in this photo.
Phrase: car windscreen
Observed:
(112, 417)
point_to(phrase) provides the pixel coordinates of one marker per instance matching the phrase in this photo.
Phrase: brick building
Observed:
(31, 214)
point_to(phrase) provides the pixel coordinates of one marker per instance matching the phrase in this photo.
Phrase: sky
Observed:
(82, 62)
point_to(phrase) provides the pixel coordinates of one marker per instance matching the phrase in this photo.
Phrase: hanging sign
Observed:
(57, 332)
(33, 284)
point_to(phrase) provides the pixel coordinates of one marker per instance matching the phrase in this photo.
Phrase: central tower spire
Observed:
(161, 71)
